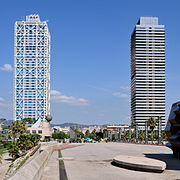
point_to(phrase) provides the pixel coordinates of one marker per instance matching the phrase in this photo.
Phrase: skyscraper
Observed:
(147, 71)
(31, 69)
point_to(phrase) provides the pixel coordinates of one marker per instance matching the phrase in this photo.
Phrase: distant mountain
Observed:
(7, 122)
(74, 125)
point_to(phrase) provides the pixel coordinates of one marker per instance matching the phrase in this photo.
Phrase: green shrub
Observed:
(7, 144)
(60, 135)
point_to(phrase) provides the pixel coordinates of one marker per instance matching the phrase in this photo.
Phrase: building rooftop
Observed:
(148, 21)
(33, 18)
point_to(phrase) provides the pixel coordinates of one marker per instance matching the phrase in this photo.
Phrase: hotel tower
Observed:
(31, 69)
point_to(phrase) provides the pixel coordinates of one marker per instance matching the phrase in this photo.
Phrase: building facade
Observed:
(31, 69)
(147, 71)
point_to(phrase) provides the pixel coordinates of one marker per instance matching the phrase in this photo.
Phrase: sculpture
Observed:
(48, 118)
(173, 129)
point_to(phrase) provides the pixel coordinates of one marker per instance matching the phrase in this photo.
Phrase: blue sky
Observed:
(90, 55)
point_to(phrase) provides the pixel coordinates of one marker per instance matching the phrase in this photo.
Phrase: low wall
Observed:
(34, 169)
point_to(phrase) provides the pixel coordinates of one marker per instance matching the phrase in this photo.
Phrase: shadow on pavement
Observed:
(171, 162)
(8, 159)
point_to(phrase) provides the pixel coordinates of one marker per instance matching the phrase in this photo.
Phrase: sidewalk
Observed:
(51, 170)
(6, 161)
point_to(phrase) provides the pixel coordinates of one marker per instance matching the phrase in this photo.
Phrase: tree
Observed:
(152, 123)
(60, 135)
(1, 137)
(17, 128)
(29, 120)
(163, 135)
(133, 135)
(99, 135)
(141, 135)
(87, 133)
(1, 158)
(22, 144)
(81, 135)
(14, 150)
(93, 134)
(77, 132)
(126, 135)
(35, 138)
(25, 143)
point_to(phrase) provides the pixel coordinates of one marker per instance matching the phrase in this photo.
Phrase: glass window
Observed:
(39, 131)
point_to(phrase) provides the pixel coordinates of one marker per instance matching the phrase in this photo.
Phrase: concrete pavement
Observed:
(93, 162)
(6, 161)
(51, 170)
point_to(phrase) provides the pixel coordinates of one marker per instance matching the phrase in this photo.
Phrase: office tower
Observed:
(31, 69)
(147, 71)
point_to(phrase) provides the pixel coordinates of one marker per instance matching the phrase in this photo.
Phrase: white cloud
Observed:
(120, 95)
(54, 92)
(58, 97)
(1, 99)
(2, 104)
(125, 88)
(6, 67)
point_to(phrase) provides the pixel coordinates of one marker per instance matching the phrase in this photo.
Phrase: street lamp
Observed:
(159, 130)
(120, 132)
(129, 134)
(136, 132)
(146, 133)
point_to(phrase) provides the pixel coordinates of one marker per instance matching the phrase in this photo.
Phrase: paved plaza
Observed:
(93, 162)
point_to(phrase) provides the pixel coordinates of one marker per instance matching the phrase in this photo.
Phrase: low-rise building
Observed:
(44, 130)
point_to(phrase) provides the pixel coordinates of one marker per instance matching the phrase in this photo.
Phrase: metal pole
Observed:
(120, 134)
(136, 133)
(115, 132)
(146, 133)
(159, 130)
(124, 139)
(129, 134)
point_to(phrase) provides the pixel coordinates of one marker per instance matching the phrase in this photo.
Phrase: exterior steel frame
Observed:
(31, 69)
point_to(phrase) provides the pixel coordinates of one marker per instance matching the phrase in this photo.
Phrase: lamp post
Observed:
(159, 130)
(129, 134)
(120, 132)
(146, 133)
(136, 133)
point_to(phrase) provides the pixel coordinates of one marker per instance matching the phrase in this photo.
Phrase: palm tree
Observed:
(93, 133)
(77, 132)
(1, 158)
(152, 123)
(29, 120)
(24, 142)
(13, 150)
(87, 133)
(17, 128)
(141, 135)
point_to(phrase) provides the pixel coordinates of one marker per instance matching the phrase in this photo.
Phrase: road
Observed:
(93, 162)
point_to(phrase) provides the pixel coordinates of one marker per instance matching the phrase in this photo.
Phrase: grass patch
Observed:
(24, 160)
(62, 164)
(10, 166)
(63, 175)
